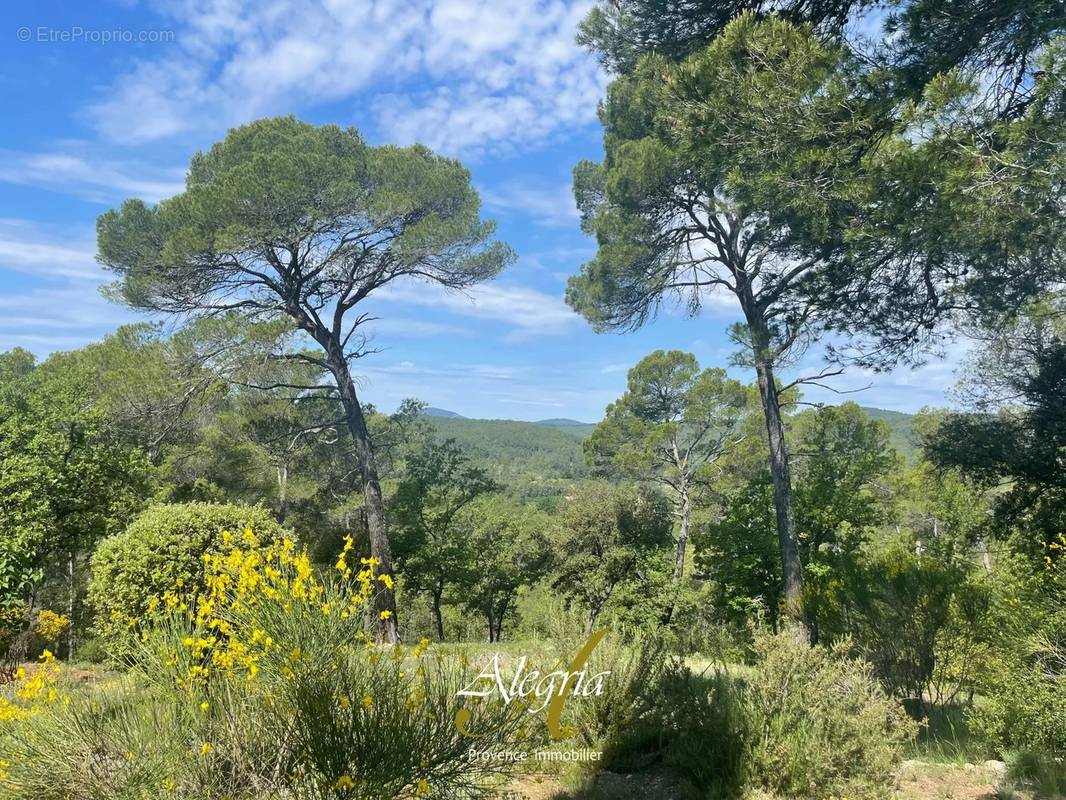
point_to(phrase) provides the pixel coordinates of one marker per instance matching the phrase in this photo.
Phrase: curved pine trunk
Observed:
(385, 597)
(780, 470)
(781, 476)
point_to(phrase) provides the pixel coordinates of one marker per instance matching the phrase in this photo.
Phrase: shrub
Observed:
(107, 741)
(32, 690)
(1024, 685)
(900, 606)
(825, 727)
(266, 687)
(1024, 707)
(707, 723)
(162, 551)
(803, 723)
(14, 628)
(1043, 774)
(621, 719)
(656, 711)
(50, 625)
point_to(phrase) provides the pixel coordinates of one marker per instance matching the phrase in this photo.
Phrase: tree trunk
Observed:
(283, 491)
(437, 616)
(499, 620)
(384, 598)
(685, 513)
(781, 476)
(594, 613)
(71, 598)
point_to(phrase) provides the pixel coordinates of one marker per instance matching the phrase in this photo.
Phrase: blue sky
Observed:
(108, 100)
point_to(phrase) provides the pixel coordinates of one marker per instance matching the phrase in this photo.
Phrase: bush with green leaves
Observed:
(704, 725)
(1023, 705)
(825, 727)
(162, 551)
(1024, 708)
(803, 722)
(266, 686)
(1041, 773)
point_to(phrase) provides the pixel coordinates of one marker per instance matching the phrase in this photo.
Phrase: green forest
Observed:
(226, 573)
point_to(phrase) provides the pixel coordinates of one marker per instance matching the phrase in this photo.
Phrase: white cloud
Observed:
(406, 327)
(906, 389)
(547, 205)
(44, 320)
(494, 75)
(63, 309)
(529, 312)
(24, 248)
(74, 170)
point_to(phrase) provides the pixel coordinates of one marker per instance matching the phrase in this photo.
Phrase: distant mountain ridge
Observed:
(552, 447)
(553, 422)
(430, 411)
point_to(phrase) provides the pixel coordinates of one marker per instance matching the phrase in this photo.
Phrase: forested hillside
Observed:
(901, 433)
(529, 456)
(538, 453)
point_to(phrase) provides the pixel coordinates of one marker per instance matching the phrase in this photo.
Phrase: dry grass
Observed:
(916, 780)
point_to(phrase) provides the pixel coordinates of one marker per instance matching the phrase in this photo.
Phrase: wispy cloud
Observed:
(43, 320)
(904, 389)
(26, 249)
(492, 75)
(408, 328)
(546, 205)
(63, 309)
(72, 169)
(529, 312)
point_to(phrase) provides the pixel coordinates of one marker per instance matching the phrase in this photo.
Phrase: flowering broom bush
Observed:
(50, 625)
(266, 686)
(26, 696)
